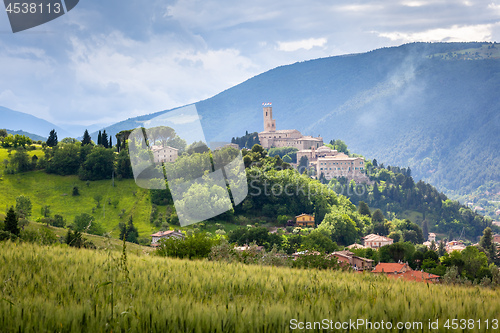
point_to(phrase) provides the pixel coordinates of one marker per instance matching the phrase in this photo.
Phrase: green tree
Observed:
(287, 159)
(65, 159)
(23, 206)
(20, 162)
(363, 209)
(87, 140)
(99, 138)
(425, 230)
(85, 223)
(10, 223)
(378, 216)
(128, 231)
(123, 165)
(488, 245)
(104, 139)
(99, 164)
(52, 139)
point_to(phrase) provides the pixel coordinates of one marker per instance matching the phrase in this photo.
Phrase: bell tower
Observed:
(269, 122)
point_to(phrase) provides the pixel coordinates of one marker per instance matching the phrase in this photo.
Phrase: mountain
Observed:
(32, 136)
(15, 120)
(431, 106)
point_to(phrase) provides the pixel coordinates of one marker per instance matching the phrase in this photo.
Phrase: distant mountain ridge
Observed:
(20, 121)
(431, 106)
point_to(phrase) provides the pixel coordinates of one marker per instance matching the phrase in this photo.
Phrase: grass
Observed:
(99, 241)
(62, 289)
(56, 192)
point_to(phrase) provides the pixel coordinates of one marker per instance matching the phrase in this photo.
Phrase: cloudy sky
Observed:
(106, 61)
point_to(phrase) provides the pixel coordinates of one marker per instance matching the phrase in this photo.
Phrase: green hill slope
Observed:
(56, 192)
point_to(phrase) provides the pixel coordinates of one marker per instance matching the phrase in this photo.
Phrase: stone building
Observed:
(333, 164)
(271, 137)
(164, 154)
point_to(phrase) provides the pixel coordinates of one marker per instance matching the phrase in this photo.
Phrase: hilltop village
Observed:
(330, 163)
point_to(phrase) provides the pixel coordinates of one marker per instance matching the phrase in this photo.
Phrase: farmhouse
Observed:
(403, 271)
(305, 220)
(164, 154)
(357, 263)
(156, 237)
(376, 241)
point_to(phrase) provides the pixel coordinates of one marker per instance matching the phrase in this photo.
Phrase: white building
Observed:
(375, 241)
(156, 237)
(164, 154)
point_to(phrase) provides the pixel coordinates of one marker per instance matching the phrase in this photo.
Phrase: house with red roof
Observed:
(156, 237)
(403, 271)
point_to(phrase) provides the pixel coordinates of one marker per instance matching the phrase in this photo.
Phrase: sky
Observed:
(106, 61)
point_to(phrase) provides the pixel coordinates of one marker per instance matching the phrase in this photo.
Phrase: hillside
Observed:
(76, 290)
(15, 121)
(419, 105)
(32, 136)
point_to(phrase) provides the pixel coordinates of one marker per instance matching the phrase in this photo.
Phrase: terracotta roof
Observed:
(416, 276)
(388, 267)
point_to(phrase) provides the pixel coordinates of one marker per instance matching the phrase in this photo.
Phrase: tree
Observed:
(363, 209)
(65, 160)
(99, 138)
(378, 216)
(20, 162)
(86, 138)
(99, 164)
(303, 164)
(45, 211)
(52, 140)
(3, 133)
(23, 206)
(129, 231)
(488, 245)
(376, 192)
(85, 223)
(110, 142)
(375, 163)
(11, 222)
(425, 230)
(104, 139)
(123, 165)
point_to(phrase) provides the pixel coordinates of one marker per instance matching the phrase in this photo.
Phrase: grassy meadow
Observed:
(56, 192)
(62, 289)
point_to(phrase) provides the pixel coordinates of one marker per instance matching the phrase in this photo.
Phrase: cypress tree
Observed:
(11, 222)
(52, 139)
(86, 138)
(118, 144)
(110, 142)
(99, 138)
(104, 139)
(425, 230)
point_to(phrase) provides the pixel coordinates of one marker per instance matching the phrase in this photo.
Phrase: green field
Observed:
(56, 192)
(62, 289)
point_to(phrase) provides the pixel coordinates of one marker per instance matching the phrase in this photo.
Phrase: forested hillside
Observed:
(433, 107)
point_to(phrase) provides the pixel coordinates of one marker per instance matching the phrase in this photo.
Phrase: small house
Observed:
(156, 237)
(305, 220)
